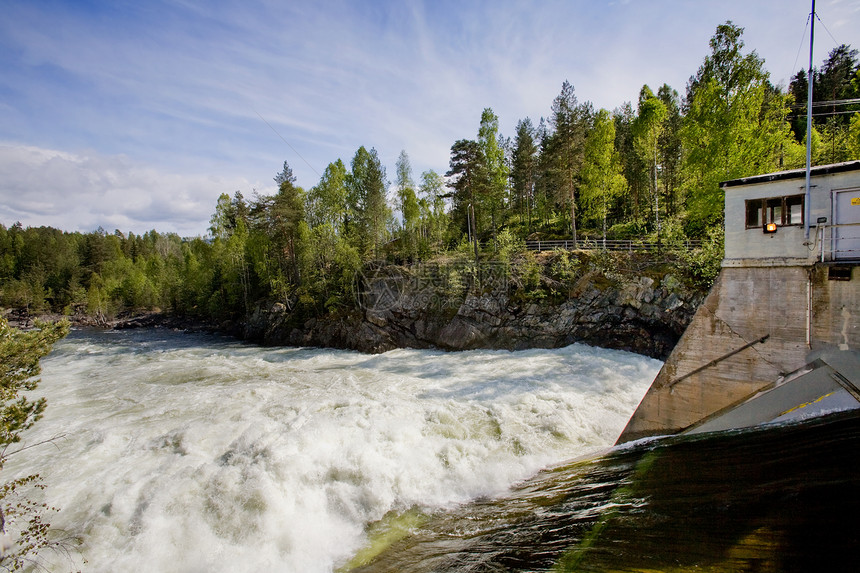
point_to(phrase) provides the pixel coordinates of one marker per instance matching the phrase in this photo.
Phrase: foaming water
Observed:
(772, 498)
(194, 453)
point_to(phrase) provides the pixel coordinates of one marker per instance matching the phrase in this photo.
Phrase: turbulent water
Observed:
(195, 453)
(770, 499)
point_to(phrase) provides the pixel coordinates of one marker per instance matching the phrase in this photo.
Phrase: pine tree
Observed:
(20, 356)
(569, 120)
(524, 166)
(469, 180)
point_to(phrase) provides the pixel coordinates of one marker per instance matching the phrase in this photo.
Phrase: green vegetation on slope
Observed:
(649, 172)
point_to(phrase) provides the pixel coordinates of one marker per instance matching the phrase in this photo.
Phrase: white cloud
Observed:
(166, 91)
(81, 192)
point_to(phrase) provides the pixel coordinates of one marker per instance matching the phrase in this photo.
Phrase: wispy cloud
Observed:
(170, 91)
(85, 191)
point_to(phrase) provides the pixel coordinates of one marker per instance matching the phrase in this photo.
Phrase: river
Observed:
(187, 453)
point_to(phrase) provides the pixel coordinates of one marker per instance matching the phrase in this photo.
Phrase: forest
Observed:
(648, 171)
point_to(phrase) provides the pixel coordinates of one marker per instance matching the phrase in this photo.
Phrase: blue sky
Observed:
(137, 115)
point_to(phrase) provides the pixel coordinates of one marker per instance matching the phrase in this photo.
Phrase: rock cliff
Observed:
(400, 307)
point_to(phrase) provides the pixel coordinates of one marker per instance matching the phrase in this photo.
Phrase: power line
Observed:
(800, 47)
(831, 103)
(850, 101)
(288, 143)
(849, 112)
(826, 30)
(803, 39)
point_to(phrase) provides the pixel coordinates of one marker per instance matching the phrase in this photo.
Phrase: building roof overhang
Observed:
(793, 174)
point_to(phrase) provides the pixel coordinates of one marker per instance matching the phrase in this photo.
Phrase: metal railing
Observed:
(716, 361)
(839, 242)
(629, 245)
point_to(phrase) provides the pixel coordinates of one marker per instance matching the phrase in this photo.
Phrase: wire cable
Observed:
(800, 47)
(828, 103)
(288, 143)
(826, 30)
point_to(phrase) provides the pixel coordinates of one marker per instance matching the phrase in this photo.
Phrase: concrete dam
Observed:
(778, 337)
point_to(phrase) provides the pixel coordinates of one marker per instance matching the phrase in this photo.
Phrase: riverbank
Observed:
(404, 308)
(457, 306)
(24, 320)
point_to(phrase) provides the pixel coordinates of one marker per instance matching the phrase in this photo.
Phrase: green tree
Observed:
(798, 87)
(633, 168)
(524, 169)
(366, 186)
(835, 85)
(409, 208)
(327, 201)
(670, 150)
(602, 181)
(468, 178)
(545, 192)
(264, 259)
(647, 128)
(854, 137)
(833, 82)
(20, 355)
(223, 220)
(495, 167)
(569, 121)
(431, 203)
(332, 264)
(288, 213)
(285, 176)
(735, 125)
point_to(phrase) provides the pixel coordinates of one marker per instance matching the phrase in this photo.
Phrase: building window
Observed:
(794, 210)
(774, 211)
(780, 210)
(754, 209)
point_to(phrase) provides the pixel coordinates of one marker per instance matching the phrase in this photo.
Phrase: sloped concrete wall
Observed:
(797, 308)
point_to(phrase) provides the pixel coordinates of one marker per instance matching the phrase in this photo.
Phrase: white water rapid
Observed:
(189, 453)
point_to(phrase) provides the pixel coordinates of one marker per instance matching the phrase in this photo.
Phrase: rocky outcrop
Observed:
(399, 309)
(442, 308)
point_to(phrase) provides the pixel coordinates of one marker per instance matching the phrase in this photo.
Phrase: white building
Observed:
(779, 199)
(786, 300)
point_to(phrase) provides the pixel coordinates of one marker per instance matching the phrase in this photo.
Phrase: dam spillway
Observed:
(781, 300)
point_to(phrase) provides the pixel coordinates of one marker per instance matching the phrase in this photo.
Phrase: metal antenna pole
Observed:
(809, 81)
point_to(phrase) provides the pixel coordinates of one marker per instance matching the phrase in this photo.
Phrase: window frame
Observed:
(767, 208)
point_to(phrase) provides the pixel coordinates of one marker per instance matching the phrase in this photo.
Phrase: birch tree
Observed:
(647, 128)
(602, 181)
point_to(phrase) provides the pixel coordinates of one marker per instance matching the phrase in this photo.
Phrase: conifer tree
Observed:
(524, 169)
(569, 120)
(20, 356)
(366, 198)
(468, 177)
